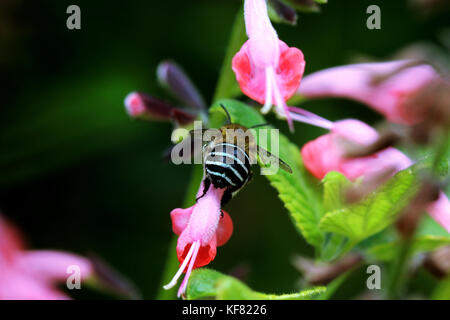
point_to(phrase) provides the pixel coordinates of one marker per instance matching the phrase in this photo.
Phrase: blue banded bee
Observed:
(227, 160)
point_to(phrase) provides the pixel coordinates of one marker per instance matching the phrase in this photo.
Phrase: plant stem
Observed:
(226, 85)
(397, 275)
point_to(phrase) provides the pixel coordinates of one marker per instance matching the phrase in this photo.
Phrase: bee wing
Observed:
(267, 158)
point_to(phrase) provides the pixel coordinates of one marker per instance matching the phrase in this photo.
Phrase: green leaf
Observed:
(429, 226)
(205, 283)
(442, 290)
(293, 189)
(429, 236)
(333, 286)
(333, 185)
(390, 250)
(377, 211)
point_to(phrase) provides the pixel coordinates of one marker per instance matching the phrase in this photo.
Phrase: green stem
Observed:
(442, 151)
(226, 85)
(397, 274)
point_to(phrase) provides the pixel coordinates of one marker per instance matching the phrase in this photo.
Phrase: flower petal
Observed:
(388, 159)
(10, 241)
(180, 219)
(263, 39)
(52, 265)
(327, 153)
(252, 79)
(224, 230)
(202, 226)
(142, 106)
(356, 81)
(205, 255)
(21, 286)
(439, 210)
(321, 156)
(178, 83)
(290, 70)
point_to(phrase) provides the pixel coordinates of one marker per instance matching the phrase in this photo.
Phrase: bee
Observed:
(227, 158)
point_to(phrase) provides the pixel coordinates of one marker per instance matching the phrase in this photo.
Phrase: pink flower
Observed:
(172, 77)
(201, 228)
(143, 106)
(391, 97)
(27, 275)
(266, 69)
(326, 153)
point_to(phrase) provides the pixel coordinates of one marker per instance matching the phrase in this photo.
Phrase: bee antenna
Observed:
(228, 115)
(260, 125)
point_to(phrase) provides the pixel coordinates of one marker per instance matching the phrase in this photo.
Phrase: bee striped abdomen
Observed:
(227, 165)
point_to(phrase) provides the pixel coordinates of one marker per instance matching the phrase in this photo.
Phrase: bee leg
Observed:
(250, 177)
(227, 195)
(206, 185)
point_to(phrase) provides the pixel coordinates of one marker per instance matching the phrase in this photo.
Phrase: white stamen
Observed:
(278, 98)
(174, 280)
(324, 123)
(282, 108)
(268, 102)
(284, 111)
(183, 286)
(315, 122)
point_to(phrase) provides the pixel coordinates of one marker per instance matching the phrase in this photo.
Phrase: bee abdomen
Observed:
(227, 165)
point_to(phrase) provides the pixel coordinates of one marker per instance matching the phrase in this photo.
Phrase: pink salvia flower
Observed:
(34, 274)
(266, 69)
(142, 106)
(390, 97)
(327, 153)
(201, 228)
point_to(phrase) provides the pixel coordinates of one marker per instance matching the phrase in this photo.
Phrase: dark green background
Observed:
(77, 174)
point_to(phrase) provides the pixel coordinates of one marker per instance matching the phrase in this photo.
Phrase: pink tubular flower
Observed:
(201, 228)
(27, 275)
(326, 153)
(142, 106)
(266, 69)
(385, 86)
(172, 77)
